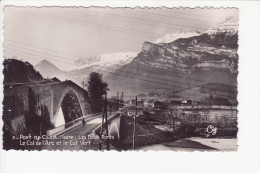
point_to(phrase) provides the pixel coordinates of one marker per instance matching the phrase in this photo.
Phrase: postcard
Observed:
(123, 79)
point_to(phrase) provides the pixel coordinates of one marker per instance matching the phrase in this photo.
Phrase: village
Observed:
(170, 115)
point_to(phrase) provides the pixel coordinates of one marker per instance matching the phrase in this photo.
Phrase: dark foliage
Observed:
(96, 88)
(160, 105)
(71, 108)
(16, 71)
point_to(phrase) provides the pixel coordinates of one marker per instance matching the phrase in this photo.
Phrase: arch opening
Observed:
(113, 130)
(69, 109)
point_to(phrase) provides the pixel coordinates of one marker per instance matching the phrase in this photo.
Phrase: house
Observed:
(132, 111)
(189, 102)
(55, 79)
(149, 103)
(140, 103)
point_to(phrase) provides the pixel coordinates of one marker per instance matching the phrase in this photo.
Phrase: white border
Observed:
(246, 159)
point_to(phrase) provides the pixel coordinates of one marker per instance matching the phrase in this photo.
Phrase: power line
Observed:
(35, 55)
(134, 86)
(139, 19)
(153, 21)
(110, 71)
(124, 20)
(96, 25)
(115, 73)
(62, 58)
(51, 55)
(137, 76)
(156, 82)
(22, 43)
(178, 77)
(158, 14)
(170, 12)
(43, 53)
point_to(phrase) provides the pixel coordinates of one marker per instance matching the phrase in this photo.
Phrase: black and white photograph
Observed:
(122, 79)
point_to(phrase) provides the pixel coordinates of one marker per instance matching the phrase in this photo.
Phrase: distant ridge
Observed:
(181, 34)
(47, 69)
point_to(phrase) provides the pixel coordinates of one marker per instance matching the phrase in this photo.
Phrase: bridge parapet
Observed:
(41, 100)
(65, 127)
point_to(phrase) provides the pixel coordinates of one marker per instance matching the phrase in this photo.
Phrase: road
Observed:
(77, 137)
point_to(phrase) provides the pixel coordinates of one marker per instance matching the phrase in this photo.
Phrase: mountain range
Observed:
(83, 67)
(186, 60)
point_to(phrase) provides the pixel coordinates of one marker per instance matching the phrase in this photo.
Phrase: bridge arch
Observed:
(66, 91)
(113, 128)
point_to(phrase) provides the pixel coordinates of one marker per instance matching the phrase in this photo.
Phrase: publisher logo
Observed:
(211, 129)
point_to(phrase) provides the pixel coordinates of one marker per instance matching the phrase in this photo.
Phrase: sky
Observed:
(61, 34)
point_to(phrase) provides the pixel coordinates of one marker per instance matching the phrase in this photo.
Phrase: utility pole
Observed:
(173, 122)
(40, 129)
(134, 123)
(122, 99)
(231, 110)
(118, 100)
(101, 132)
(83, 84)
(106, 122)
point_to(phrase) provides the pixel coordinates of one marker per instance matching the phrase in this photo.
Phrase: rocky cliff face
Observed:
(196, 53)
(214, 49)
(210, 57)
(228, 26)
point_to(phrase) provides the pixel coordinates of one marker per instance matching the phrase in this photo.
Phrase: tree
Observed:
(96, 89)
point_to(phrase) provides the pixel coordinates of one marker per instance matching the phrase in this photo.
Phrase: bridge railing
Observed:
(69, 125)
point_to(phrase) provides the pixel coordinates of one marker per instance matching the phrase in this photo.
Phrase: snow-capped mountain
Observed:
(108, 60)
(229, 26)
(103, 64)
(174, 36)
(195, 59)
(174, 62)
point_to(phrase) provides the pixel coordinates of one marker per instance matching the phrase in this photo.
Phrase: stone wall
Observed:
(39, 100)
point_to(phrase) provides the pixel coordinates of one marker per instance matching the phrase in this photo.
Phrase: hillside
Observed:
(48, 70)
(16, 71)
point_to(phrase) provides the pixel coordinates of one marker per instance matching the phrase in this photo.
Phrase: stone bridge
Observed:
(113, 127)
(46, 101)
